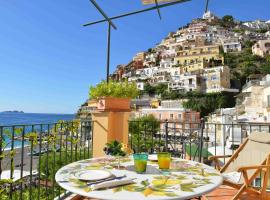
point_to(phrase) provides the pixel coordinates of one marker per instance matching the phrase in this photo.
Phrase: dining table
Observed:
(185, 179)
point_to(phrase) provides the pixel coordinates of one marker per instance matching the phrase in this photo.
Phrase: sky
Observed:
(48, 60)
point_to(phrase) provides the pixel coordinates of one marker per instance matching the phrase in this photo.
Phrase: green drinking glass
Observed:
(140, 162)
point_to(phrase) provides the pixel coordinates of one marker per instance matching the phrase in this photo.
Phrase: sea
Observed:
(9, 119)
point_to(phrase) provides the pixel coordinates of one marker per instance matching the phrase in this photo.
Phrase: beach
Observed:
(6, 162)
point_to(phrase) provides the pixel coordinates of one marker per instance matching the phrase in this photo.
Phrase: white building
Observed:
(140, 85)
(231, 45)
(185, 83)
(254, 101)
(208, 15)
(257, 24)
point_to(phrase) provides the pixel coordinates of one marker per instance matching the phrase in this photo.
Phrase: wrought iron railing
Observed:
(31, 155)
(196, 141)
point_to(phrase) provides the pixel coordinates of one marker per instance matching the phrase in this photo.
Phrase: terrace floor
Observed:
(222, 193)
(227, 193)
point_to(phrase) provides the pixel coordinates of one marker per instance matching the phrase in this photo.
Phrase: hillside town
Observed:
(192, 59)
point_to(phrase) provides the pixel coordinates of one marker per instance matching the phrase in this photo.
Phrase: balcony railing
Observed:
(196, 141)
(31, 154)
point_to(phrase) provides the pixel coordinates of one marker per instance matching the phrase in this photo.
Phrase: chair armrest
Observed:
(217, 157)
(216, 161)
(241, 169)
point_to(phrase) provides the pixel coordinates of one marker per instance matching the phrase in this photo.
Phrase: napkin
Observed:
(112, 183)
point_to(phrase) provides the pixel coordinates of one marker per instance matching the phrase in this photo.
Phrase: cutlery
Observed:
(108, 179)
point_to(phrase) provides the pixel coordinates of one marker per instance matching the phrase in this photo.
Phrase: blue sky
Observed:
(48, 60)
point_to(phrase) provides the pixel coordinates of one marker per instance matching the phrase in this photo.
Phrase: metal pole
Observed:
(103, 13)
(108, 51)
(166, 135)
(158, 9)
(137, 12)
(201, 140)
(206, 6)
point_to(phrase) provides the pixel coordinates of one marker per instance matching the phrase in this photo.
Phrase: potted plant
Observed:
(113, 96)
(115, 149)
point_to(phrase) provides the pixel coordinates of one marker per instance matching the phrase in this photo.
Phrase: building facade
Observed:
(261, 48)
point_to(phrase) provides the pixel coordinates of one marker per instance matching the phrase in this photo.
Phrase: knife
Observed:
(108, 179)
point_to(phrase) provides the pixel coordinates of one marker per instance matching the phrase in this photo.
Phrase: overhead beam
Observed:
(137, 12)
(103, 13)
(158, 9)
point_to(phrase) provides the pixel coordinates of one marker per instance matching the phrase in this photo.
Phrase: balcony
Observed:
(33, 153)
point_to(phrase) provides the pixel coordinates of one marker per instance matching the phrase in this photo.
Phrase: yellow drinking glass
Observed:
(164, 160)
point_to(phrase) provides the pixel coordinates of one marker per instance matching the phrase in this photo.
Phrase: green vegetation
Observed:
(142, 130)
(44, 194)
(158, 89)
(49, 163)
(207, 103)
(114, 89)
(244, 64)
(114, 148)
(227, 21)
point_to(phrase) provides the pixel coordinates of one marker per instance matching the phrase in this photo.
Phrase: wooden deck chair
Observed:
(251, 159)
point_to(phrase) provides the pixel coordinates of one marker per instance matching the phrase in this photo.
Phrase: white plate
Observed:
(153, 157)
(92, 175)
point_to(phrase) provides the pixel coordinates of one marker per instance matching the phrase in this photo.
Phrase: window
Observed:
(179, 116)
(193, 118)
(160, 116)
(213, 77)
(171, 116)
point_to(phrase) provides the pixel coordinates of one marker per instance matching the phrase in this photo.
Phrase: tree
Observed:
(265, 69)
(227, 21)
(148, 89)
(207, 103)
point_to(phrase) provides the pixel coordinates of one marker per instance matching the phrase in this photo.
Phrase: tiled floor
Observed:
(227, 193)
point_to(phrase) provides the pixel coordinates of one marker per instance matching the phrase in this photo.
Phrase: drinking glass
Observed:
(140, 162)
(164, 160)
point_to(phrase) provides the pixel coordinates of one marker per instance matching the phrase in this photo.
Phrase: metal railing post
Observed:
(166, 135)
(201, 140)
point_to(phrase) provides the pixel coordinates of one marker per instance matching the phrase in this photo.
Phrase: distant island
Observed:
(12, 111)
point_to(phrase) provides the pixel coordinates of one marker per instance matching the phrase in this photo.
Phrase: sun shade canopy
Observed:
(146, 2)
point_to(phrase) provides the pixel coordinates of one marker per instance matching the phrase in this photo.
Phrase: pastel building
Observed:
(178, 118)
(216, 79)
(261, 48)
(199, 56)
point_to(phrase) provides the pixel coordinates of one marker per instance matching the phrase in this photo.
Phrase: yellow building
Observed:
(195, 58)
(155, 103)
(139, 56)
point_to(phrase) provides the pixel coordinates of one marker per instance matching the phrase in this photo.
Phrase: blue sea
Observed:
(8, 119)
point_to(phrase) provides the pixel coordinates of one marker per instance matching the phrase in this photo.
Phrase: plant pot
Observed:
(113, 104)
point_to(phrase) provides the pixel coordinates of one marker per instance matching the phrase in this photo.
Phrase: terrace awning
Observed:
(146, 2)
